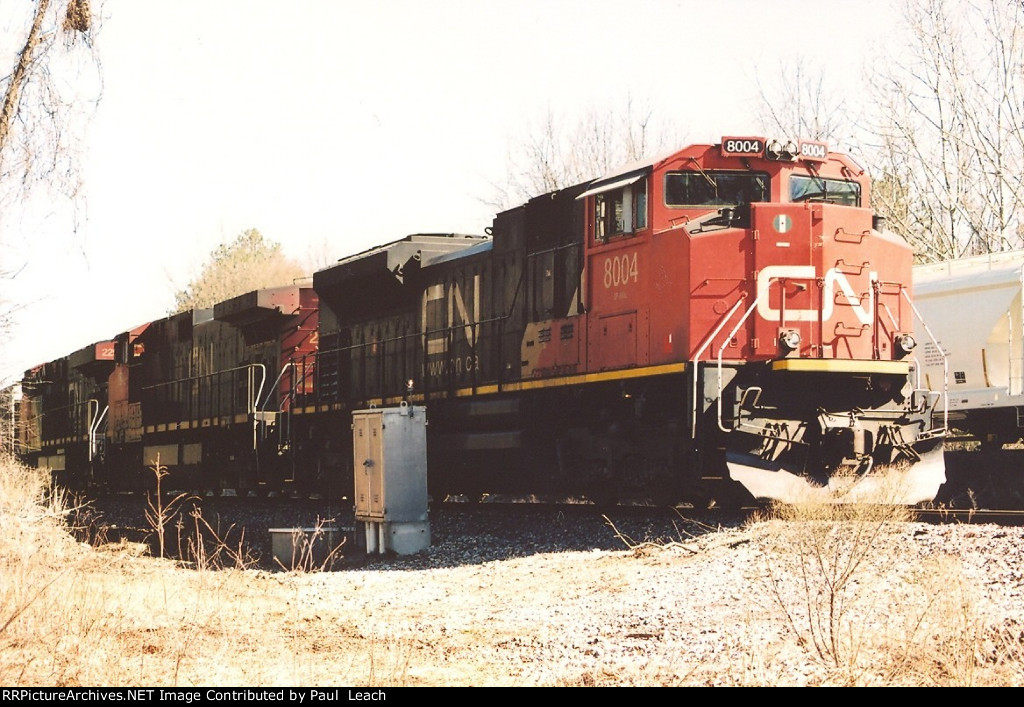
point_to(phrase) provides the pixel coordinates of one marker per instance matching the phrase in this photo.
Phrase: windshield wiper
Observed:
(710, 180)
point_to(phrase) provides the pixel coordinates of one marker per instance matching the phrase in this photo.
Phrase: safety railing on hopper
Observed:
(945, 370)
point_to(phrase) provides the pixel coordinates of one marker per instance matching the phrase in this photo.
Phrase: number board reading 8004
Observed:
(742, 146)
(813, 150)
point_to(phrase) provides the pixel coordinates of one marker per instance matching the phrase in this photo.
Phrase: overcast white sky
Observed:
(334, 125)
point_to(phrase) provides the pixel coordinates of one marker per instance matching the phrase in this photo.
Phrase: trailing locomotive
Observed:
(199, 393)
(724, 322)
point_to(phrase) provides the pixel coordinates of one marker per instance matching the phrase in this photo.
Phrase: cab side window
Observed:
(621, 211)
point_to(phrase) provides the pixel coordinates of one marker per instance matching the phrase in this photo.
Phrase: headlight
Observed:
(789, 339)
(782, 152)
(905, 343)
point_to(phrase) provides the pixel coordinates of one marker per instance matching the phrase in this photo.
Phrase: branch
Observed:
(20, 75)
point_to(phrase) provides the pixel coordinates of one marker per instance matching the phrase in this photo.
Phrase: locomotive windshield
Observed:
(710, 188)
(834, 191)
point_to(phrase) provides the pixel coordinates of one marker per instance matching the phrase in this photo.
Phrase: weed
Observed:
(313, 549)
(159, 514)
(642, 547)
(824, 547)
(209, 548)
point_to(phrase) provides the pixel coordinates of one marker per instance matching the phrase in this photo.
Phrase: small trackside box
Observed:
(390, 466)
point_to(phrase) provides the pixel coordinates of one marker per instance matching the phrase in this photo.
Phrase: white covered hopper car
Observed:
(975, 316)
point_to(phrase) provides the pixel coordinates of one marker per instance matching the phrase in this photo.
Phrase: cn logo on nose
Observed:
(862, 307)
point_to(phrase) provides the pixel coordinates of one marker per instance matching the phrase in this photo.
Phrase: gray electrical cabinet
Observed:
(390, 467)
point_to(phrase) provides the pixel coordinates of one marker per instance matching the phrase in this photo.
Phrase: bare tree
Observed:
(9, 399)
(948, 142)
(53, 84)
(798, 103)
(558, 151)
(54, 78)
(250, 262)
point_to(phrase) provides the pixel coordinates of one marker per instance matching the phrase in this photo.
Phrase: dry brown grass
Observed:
(836, 575)
(72, 614)
(75, 614)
